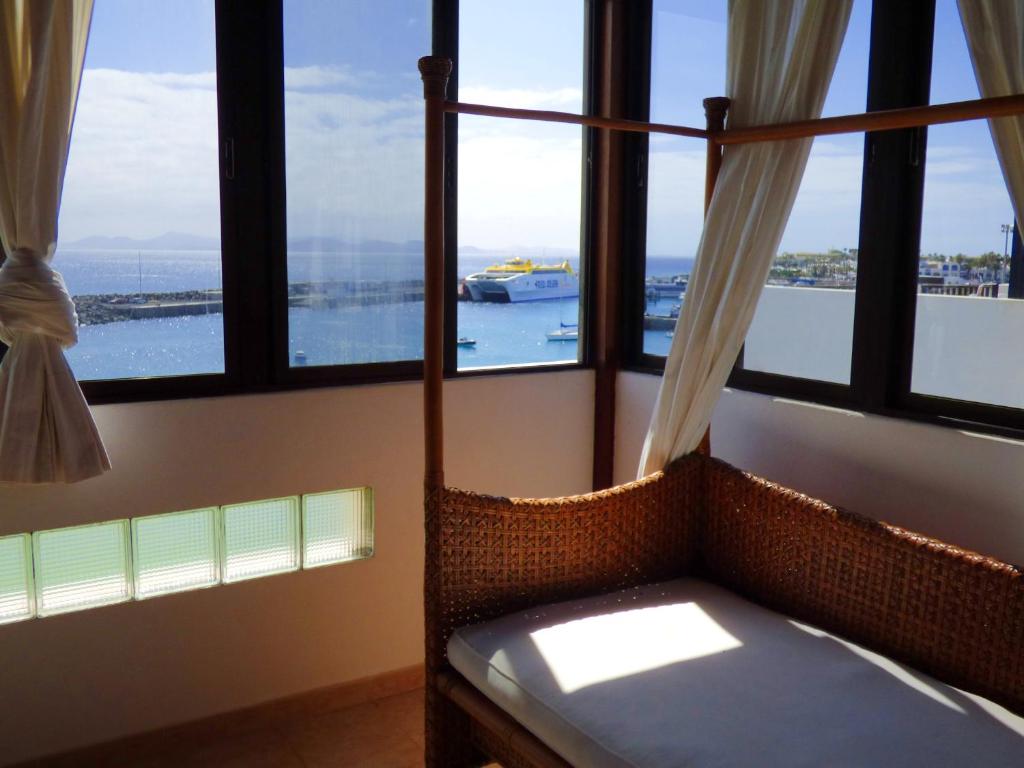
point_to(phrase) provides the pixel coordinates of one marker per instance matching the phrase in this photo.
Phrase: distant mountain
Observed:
(337, 245)
(181, 241)
(169, 241)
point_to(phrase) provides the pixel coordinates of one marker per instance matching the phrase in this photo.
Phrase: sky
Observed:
(144, 151)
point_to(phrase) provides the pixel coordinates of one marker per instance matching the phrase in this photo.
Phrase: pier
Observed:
(659, 323)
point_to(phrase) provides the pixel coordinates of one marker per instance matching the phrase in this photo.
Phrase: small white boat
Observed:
(465, 341)
(566, 332)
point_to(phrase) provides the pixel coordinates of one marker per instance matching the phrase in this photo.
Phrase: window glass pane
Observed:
(337, 526)
(260, 538)
(804, 321)
(81, 567)
(519, 184)
(15, 578)
(969, 322)
(354, 155)
(175, 552)
(687, 66)
(139, 240)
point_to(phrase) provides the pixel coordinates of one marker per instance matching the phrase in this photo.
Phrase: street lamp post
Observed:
(1007, 229)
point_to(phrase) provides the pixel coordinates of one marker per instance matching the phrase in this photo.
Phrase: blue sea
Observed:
(505, 334)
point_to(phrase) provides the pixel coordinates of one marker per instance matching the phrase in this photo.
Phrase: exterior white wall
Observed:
(805, 332)
(965, 347)
(962, 487)
(86, 677)
(970, 348)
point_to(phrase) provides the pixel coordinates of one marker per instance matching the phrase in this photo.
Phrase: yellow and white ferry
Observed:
(522, 280)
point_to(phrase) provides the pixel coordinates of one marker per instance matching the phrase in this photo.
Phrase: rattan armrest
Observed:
(947, 611)
(487, 556)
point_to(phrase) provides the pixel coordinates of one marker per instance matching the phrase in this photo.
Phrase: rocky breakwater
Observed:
(353, 293)
(97, 309)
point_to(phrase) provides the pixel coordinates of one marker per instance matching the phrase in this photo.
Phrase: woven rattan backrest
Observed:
(951, 613)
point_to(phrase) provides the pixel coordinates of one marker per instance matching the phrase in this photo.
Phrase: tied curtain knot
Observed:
(34, 300)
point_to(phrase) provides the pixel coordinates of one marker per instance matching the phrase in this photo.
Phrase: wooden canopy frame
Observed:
(471, 574)
(435, 71)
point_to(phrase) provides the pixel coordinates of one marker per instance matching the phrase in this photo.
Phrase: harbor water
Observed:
(505, 334)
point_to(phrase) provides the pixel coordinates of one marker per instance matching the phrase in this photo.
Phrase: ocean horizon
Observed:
(91, 272)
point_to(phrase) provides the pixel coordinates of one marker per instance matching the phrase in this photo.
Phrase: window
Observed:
(243, 207)
(682, 76)
(519, 184)
(354, 158)
(804, 322)
(139, 242)
(803, 326)
(912, 232)
(967, 324)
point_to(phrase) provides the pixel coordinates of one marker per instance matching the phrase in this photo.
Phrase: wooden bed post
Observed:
(446, 727)
(434, 70)
(715, 109)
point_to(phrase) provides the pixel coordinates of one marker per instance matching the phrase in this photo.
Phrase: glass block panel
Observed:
(261, 538)
(337, 526)
(175, 552)
(15, 578)
(81, 567)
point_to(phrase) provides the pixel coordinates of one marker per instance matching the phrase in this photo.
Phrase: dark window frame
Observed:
(890, 229)
(250, 99)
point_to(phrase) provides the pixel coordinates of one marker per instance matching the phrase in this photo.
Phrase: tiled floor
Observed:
(383, 734)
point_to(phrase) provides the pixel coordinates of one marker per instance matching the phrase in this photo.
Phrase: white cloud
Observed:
(558, 99)
(144, 161)
(144, 156)
(520, 191)
(202, 80)
(675, 203)
(965, 200)
(316, 77)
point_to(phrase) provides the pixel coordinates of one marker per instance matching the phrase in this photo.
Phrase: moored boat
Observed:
(566, 332)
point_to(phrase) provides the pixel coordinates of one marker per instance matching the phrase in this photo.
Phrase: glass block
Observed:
(260, 538)
(175, 552)
(81, 567)
(16, 598)
(337, 526)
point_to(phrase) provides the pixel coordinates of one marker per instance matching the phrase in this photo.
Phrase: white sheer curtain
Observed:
(781, 56)
(995, 38)
(46, 430)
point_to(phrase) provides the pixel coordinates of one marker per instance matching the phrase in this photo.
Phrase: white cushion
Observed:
(686, 673)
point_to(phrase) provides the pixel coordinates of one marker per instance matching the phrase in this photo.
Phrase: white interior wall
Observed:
(962, 487)
(94, 675)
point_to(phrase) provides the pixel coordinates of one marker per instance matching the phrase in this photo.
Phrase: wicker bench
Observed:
(949, 613)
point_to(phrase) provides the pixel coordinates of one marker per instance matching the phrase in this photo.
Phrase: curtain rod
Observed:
(884, 120)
